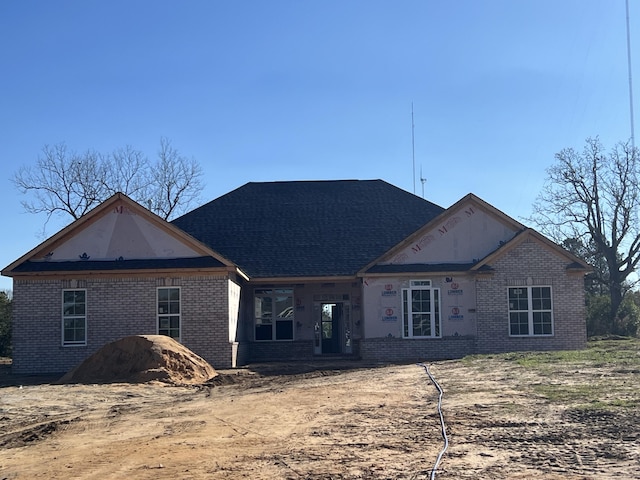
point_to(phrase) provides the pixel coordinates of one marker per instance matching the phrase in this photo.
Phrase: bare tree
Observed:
(64, 182)
(126, 170)
(176, 181)
(593, 196)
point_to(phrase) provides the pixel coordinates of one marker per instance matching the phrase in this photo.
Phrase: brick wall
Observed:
(281, 351)
(116, 307)
(527, 264)
(37, 329)
(205, 321)
(530, 264)
(395, 349)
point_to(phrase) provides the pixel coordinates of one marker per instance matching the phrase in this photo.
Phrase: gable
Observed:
(463, 234)
(531, 241)
(119, 234)
(123, 233)
(529, 257)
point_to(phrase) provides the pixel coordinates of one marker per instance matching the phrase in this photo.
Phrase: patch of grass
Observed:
(603, 376)
(510, 407)
(622, 352)
(601, 405)
(560, 393)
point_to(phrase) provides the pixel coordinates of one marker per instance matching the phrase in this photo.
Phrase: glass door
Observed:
(331, 327)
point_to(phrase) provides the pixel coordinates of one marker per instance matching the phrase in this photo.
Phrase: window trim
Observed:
(82, 343)
(274, 330)
(530, 312)
(436, 309)
(179, 314)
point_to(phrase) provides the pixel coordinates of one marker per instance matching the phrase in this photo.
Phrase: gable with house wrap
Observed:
(422, 298)
(120, 270)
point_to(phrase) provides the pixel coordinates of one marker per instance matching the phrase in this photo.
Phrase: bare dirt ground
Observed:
(327, 421)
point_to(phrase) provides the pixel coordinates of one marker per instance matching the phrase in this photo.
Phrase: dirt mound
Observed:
(142, 358)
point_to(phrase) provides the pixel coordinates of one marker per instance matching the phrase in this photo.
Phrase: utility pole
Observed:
(413, 150)
(633, 143)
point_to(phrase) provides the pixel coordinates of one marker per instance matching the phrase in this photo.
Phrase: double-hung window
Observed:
(74, 317)
(420, 310)
(274, 313)
(169, 312)
(530, 311)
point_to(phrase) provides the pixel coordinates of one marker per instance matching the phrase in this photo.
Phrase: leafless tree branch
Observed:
(63, 182)
(593, 196)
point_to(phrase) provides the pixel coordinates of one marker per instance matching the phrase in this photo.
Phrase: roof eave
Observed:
(122, 272)
(302, 279)
(452, 273)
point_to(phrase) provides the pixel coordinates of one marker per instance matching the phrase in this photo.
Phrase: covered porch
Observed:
(302, 321)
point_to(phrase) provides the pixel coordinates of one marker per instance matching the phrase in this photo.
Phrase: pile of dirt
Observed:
(140, 359)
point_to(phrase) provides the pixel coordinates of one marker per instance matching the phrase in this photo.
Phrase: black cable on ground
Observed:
(443, 428)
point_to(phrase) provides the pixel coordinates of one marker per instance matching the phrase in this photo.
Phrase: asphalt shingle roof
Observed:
(307, 228)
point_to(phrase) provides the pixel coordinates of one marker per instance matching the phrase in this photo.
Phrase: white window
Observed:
(530, 311)
(74, 317)
(274, 314)
(420, 310)
(169, 312)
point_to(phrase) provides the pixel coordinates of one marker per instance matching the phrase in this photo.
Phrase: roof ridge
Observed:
(328, 180)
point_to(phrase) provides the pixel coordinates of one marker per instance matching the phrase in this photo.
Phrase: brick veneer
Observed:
(293, 351)
(394, 349)
(116, 307)
(281, 351)
(530, 263)
(527, 264)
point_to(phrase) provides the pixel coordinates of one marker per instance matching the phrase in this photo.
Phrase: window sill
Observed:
(422, 338)
(275, 341)
(540, 335)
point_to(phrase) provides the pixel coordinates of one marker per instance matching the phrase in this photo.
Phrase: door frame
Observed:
(343, 330)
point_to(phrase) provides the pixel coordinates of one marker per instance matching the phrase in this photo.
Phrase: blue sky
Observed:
(317, 89)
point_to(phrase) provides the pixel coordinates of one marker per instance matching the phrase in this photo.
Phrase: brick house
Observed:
(298, 271)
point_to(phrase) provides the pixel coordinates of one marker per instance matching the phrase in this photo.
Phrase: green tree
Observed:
(5, 324)
(594, 196)
(627, 320)
(595, 282)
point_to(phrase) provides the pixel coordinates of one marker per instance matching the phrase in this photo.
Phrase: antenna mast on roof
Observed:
(413, 150)
(633, 143)
(422, 180)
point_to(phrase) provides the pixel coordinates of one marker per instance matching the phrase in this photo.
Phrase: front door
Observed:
(331, 327)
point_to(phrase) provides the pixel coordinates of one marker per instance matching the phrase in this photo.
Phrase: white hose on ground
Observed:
(443, 428)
